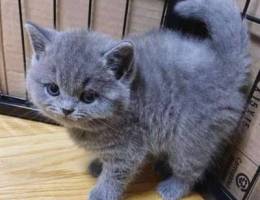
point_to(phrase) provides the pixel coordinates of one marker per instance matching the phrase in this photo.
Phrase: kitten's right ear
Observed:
(39, 37)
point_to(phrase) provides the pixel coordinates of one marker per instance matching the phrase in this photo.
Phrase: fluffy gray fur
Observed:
(160, 94)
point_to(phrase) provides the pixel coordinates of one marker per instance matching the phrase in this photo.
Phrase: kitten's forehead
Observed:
(76, 57)
(74, 48)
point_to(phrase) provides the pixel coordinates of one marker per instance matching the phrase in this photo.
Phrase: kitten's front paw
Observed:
(103, 194)
(95, 196)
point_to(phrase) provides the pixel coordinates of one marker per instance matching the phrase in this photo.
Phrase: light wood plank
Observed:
(108, 17)
(39, 12)
(39, 161)
(144, 15)
(72, 14)
(13, 52)
(241, 4)
(16, 83)
(3, 84)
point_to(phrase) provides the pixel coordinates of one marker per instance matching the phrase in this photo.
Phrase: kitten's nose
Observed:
(67, 111)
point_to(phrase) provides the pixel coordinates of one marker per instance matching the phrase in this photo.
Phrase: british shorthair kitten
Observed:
(161, 93)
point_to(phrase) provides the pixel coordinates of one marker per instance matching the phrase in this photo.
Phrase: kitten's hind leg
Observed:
(95, 167)
(173, 188)
(187, 165)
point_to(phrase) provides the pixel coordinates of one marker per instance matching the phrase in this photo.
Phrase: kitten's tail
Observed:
(222, 17)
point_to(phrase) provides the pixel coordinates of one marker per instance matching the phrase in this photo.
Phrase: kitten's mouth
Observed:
(59, 117)
(76, 122)
(71, 120)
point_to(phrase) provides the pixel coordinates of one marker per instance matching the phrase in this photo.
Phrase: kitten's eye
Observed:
(89, 96)
(52, 89)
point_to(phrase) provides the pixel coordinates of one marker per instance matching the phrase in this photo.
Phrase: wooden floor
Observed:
(39, 161)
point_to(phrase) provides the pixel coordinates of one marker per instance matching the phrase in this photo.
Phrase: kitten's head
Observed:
(79, 76)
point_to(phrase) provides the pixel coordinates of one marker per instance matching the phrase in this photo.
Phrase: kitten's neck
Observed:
(137, 91)
(106, 135)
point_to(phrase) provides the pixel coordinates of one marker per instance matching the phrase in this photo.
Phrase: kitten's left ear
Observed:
(120, 60)
(39, 37)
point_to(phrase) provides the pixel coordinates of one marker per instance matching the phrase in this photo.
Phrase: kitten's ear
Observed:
(39, 37)
(120, 59)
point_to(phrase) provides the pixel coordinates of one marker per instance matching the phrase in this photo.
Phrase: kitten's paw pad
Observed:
(189, 8)
(95, 167)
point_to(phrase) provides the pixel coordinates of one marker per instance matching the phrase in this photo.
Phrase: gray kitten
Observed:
(161, 94)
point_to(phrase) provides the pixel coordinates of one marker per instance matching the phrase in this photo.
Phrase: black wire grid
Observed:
(249, 17)
(23, 108)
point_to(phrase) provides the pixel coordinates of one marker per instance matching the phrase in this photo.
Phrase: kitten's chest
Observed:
(161, 121)
(104, 140)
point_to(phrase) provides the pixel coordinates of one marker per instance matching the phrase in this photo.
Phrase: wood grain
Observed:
(144, 15)
(40, 162)
(39, 12)
(72, 14)
(13, 52)
(3, 84)
(109, 17)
